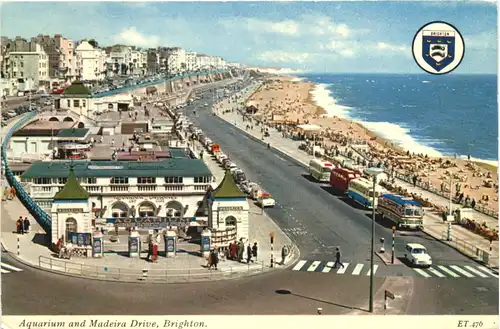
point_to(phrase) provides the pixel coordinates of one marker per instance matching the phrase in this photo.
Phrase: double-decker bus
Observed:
(340, 178)
(361, 191)
(402, 211)
(320, 169)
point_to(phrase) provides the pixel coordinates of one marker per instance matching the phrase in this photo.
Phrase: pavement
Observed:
(433, 227)
(186, 266)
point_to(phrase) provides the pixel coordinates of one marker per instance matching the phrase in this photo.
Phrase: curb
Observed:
(385, 261)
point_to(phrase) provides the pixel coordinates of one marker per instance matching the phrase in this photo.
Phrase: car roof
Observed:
(415, 245)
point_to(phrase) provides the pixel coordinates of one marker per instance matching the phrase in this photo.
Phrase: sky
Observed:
(322, 37)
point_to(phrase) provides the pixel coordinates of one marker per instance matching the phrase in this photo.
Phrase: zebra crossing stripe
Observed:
(313, 266)
(328, 267)
(473, 270)
(421, 272)
(461, 271)
(488, 271)
(299, 265)
(10, 267)
(4, 271)
(375, 267)
(447, 271)
(343, 269)
(357, 269)
(436, 272)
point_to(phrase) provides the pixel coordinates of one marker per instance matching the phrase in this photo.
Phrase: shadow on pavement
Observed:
(333, 191)
(288, 292)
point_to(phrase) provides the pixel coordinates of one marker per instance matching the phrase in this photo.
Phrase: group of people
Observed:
(9, 193)
(22, 225)
(236, 250)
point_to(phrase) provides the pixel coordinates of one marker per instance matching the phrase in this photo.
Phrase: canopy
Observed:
(308, 127)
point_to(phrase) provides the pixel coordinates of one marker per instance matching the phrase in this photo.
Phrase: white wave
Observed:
(489, 162)
(297, 79)
(400, 136)
(426, 81)
(323, 97)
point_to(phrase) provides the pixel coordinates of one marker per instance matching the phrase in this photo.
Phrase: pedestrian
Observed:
(215, 258)
(234, 250)
(249, 254)
(241, 248)
(18, 226)
(12, 193)
(26, 225)
(337, 259)
(255, 250)
(284, 253)
(150, 247)
(6, 194)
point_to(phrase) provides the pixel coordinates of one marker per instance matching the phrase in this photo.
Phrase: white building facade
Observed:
(191, 61)
(91, 62)
(176, 60)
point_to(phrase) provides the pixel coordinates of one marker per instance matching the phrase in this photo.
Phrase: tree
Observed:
(93, 43)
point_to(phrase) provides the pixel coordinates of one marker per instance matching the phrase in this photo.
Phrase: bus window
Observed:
(418, 212)
(326, 169)
(408, 212)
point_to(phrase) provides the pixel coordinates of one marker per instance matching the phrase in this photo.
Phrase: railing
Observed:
(467, 248)
(163, 80)
(165, 275)
(42, 218)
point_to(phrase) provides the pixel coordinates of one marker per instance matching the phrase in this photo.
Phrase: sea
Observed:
(445, 115)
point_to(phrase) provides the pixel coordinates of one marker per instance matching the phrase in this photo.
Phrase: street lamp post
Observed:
(374, 172)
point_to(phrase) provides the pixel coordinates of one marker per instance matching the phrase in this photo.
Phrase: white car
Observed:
(265, 200)
(417, 255)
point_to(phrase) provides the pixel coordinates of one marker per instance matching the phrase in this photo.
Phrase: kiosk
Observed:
(134, 242)
(206, 243)
(170, 244)
(97, 245)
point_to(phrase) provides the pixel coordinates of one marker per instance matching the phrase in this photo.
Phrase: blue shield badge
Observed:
(438, 48)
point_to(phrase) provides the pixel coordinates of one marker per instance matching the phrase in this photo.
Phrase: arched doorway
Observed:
(53, 119)
(71, 227)
(119, 210)
(174, 209)
(231, 221)
(68, 119)
(81, 125)
(147, 209)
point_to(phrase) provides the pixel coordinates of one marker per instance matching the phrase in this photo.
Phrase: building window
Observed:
(202, 180)
(119, 180)
(22, 64)
(110, 106)
(173, 180)
(14, 74)
(146, 180)
(22, 74)
(62, 180)
(71, 227)
(42, 180)
(84, 103)
(76, 103)
(68, 102)
(91, 180)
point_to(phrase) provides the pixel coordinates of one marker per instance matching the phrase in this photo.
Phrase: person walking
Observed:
(337, 259)
(241, 248)
(234, 251)
(18, 226)
(254, 250)
(215, 258)
(249, 254)
(27, 224)
(150, 247)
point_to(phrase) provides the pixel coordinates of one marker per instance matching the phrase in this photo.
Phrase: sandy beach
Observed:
(284, 99)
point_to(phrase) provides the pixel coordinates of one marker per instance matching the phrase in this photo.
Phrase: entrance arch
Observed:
(71, 227)
(68, 119)
(120, 210)
(147, 209)
(81, 125)
(54, 119)
(231, 221)
(175, 209)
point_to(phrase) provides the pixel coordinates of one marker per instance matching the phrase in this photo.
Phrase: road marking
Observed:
(245, 137)
(488, 271)
(357, 269)
(421, 272)
(4, 271)
(473, 270)
(461, 271)
(313, 266)
(444, 269)
(343, 269)
(299, 265)
(280, 158)
(10, 267)
(436, 272)
(328, 267)
(375, 267)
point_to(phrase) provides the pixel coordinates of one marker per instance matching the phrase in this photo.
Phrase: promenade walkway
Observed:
(463, 240)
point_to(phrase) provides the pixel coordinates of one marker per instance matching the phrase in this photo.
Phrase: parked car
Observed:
(417, 255)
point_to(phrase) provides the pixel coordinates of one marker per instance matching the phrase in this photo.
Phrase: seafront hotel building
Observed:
(122, 189)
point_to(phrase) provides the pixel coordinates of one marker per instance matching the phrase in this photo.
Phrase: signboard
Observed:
(205, 243)
(133, 244)
(170, 245)
(230, 208)
(389, 295)
(70, 210)
(80, 239)
(97, 246)
(151, 222)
